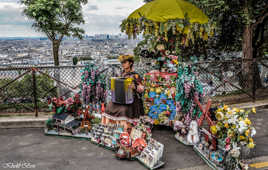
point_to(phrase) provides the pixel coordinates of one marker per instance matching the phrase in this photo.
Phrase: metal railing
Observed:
(26, 89)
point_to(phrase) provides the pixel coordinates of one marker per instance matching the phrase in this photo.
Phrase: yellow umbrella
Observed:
(159, 16)
(165, 10)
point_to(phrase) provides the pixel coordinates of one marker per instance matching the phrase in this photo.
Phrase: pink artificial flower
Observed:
(228, 147)
(69, 101)
(228, 140)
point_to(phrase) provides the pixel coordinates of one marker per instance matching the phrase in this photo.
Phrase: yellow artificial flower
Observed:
(240, 119)
(254, 110)
(219, 110)
(242, 111)
(230, 133)
(226, 125)
(236, 110)
(156, 122)
(242, 137)
(219, 116)
(247, 121)
(213, 130)
(225, 107)
(229, 112)
(250, 140)
(251, 145)
(219, 124)
(233, 126)
(247, 132)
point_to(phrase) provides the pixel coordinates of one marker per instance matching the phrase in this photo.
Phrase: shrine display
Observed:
(93, 88)
(189, 92)
(159, 97)
(121, 91)
(69, 119)
(222, 145)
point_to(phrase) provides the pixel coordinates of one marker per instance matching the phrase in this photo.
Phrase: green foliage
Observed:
(24, 87)
(232, 17)
(56, 18)
(75, 60)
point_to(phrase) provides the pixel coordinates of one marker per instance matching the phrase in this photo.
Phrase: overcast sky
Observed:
(101, 16)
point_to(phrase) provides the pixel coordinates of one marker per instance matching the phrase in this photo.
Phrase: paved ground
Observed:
(58, 153)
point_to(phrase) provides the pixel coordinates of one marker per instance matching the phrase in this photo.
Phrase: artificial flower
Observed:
(250, 140)
(242, 137)
(167, 52)
(230, 112)
(235, 152)
(219, 116)
(156, 122)
(251, 145)
(226, 125)
(160, 47)
(232, 120)
(247, 121)
(247, 133)
(225, 107)
(242, 127)
(219, 110)
(213, 130)
(254, 110)
(233, 126)
(230, 133)
(228, 140)
(253, 132)
(227, 147)
(237, 110)
(219, 124)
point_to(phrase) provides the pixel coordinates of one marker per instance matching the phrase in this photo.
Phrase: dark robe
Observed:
(131, 111)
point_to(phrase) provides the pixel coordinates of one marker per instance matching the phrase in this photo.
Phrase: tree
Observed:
(56, 19)
(241, 26)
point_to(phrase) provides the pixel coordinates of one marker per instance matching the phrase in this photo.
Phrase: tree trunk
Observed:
(247, 63)
(56, 46)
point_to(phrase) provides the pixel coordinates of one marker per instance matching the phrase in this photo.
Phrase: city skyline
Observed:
(101, 17)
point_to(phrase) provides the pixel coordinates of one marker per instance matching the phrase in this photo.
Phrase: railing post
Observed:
(34, 91)
(254, 80)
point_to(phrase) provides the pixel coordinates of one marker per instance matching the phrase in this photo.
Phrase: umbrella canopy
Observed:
(165, 10)
(158, 17)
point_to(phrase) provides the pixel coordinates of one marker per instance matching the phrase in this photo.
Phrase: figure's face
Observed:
(126, 65)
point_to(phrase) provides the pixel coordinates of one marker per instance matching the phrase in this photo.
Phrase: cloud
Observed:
(11, 14)
(92, 7)
(101, 16)
(102, 24)
(120, 8)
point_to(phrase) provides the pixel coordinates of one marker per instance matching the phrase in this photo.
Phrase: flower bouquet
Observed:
(233, 131)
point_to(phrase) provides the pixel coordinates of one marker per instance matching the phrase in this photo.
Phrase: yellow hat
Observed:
(123, 58)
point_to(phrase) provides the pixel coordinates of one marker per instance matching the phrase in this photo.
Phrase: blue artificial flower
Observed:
(152, 94)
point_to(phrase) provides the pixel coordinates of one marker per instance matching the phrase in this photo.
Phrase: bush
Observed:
(21, 91)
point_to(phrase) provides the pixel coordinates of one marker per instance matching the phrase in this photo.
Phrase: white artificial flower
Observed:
(253, 132)
(232, 120)
(242, 127)
(235, 152)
